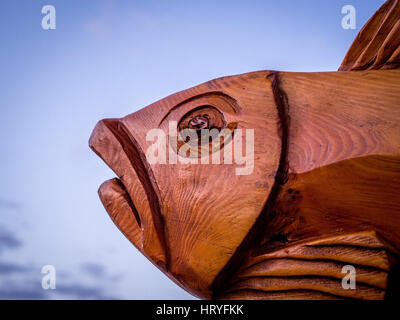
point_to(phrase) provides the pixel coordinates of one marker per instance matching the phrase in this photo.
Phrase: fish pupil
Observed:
(198, 123)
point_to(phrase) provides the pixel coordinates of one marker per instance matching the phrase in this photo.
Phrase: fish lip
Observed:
(132, 150)
(129, 201)
(112, 192)
(118, 178)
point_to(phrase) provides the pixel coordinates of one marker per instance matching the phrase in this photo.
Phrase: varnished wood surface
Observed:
(323, 193)
(314, 268)
(341, 115)
(377, 46)
(189, 196)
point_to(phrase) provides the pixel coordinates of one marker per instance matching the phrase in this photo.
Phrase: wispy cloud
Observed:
(11, 291)
(101, 23)
(95, 270)
(7, 268)
(8, 204)
(8, 240)
(21, 281)
(83, 292)
(98, 272)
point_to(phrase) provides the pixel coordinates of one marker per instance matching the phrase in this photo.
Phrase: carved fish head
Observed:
(178, 213)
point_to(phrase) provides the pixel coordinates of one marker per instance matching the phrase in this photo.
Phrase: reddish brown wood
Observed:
(323, 193)
(377, 44)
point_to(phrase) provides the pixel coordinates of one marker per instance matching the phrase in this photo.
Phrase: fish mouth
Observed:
(112, 190)
(131, 199)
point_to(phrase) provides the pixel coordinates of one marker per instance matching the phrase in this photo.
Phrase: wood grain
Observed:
(377, 46)
(194, 215)
(323, 193)
(315, 268)
(337, 116)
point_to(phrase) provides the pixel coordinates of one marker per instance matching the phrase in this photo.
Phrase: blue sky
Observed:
(108, 59)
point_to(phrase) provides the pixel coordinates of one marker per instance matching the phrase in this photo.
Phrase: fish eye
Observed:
(202, 117)
(204, 127)
(199, 122)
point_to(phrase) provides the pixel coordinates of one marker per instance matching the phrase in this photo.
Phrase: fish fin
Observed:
(315, 270)
(377, 46)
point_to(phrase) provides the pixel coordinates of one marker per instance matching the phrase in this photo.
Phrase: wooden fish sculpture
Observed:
(319, 203)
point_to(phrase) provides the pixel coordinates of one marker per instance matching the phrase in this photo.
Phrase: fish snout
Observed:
(125, 198)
